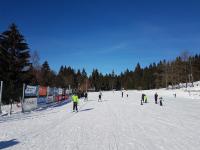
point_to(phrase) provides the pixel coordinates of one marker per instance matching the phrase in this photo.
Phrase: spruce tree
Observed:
(16, 52)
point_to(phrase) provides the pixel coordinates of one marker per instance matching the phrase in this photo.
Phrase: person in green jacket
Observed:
(75, 102)
(145, 99)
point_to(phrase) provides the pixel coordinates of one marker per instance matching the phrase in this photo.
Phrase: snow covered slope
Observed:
(114, 124)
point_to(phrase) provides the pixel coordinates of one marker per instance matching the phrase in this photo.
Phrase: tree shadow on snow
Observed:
(6, 144)
(87, 109)
(53, 105)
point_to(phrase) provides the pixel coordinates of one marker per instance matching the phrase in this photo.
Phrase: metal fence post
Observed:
(1, 95)
(22, 100)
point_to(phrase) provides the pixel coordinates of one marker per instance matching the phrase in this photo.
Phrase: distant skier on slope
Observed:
(75, 102)
(174, 95)
(100, 95)
(122, 94)
(145, 98)
(142, 99)
(161, 101)
(86, 96)
(156, 98)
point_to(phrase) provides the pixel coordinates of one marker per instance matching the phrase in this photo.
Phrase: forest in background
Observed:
(18, 65)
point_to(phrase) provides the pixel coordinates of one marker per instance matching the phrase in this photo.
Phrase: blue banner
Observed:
(31, 91)
(50, 91)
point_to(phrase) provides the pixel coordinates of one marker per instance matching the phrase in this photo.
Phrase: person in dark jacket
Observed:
(100, 94)
(161, 101)
(86, 96)
(142, 99)
(156, 98)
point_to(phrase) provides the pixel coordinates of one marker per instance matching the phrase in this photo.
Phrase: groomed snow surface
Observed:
(116, 123)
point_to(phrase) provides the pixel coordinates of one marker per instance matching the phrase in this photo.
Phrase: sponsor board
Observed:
(50, 99)
(58, 98)
(42, 91)
(50, 91)
(56, 91)
(29, 104)
(60, 91)
(68, 91)
(41, 100)
(31, 91)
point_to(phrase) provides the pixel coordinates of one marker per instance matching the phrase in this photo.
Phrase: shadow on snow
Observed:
(87, 109)
(6, 144)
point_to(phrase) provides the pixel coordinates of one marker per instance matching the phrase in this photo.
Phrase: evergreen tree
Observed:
(16, 52)
(138, 76)
(48, 76)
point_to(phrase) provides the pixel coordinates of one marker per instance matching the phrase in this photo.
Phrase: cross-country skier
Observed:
(86, 96)
(145, 98)
(75, 102)
(161, 101)
(122, 94)
(142, 99)
(156, 98)
(100, 95)
(175, 95)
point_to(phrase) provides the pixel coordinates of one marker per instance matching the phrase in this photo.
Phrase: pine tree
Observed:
(48, 76)
(17, 53)
(138, 76)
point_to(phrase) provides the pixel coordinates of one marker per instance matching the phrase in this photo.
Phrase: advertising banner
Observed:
(56, 91)
(50, 91)
(29, 104)
(41, 100)
(42, 91)
(31, 91)
(66, 96)
(58, 98)
(50, 99)
(68, 91)
(60, 91)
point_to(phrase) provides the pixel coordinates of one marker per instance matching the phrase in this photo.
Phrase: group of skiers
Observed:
(123, 94)
(144, 99)
(75, 99)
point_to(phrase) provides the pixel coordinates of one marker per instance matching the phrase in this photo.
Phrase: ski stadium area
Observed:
(115, 123)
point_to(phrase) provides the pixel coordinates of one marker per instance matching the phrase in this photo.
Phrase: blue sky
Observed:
(105, 34)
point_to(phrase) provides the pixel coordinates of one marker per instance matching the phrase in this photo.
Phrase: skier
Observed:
(122, 94)
(161, 99)
(86, 96)
(142, 99)
(174, 95)
(75, 102)
(100, 94)
(145, 98)
(156, 98)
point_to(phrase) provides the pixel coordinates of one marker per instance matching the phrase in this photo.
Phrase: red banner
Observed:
(58, 98)
(42, 91)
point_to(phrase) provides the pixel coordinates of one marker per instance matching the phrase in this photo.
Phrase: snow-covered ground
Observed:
(116, 123)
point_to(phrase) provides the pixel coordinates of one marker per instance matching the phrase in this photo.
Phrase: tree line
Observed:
(18, 65)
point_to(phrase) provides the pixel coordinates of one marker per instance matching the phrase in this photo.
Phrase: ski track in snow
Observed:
(114, 124)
